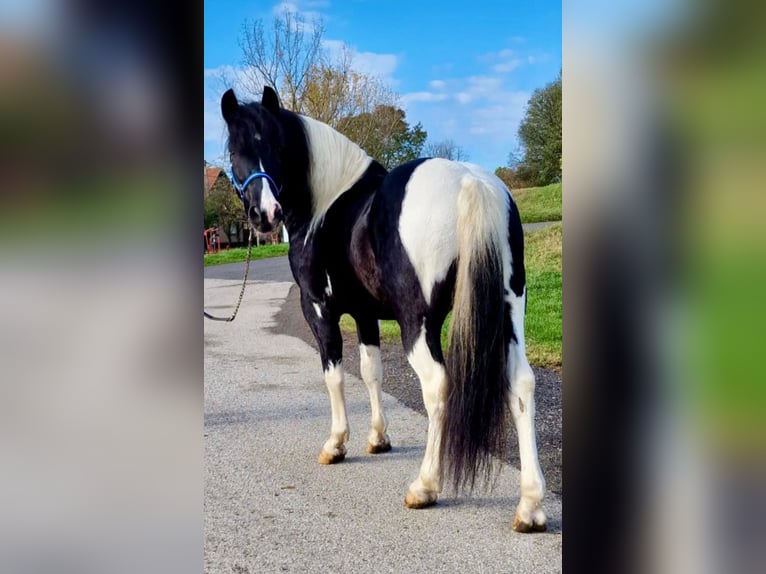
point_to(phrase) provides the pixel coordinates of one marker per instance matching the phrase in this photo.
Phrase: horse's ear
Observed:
(270, 100)
(229, 105)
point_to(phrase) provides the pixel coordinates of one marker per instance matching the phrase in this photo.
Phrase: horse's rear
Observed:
(458, 244)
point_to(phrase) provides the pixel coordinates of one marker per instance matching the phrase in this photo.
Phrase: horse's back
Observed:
(417, 203)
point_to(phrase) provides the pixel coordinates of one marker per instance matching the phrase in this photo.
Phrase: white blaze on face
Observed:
(269, 203)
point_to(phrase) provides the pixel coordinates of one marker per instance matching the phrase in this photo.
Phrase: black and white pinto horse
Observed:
(410, 244)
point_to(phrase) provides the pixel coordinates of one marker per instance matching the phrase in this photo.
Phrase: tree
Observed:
(447, 149)
(540, 135)
(385, 135)
(336, 93)
(512, 178)
(222, 206)
(282, 57)
(289, 57)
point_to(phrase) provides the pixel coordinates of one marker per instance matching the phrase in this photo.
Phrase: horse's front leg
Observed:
(324, 326)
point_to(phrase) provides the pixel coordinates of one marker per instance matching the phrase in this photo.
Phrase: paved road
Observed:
(539, 225)
(271, 269)
(269, 507)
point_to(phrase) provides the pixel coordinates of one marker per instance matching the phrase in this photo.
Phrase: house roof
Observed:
(211, 174)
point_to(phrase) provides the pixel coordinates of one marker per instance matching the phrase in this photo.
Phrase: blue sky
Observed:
(465, 70)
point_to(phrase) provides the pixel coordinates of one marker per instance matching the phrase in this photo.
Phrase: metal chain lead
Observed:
(244, 282)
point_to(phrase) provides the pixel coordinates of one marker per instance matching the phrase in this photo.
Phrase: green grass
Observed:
(542, 252)
(239, 253)
(542, 325)
(539, 203)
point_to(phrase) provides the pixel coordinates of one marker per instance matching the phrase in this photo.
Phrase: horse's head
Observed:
(254, 148)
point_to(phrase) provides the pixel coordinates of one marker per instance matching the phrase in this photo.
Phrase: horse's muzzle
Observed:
(263, 221)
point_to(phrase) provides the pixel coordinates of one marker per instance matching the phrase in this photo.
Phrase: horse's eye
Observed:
(257, 137)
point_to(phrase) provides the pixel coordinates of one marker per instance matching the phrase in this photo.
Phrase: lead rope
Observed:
(244, 282)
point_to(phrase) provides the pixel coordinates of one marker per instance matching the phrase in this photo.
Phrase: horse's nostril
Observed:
(254, 214)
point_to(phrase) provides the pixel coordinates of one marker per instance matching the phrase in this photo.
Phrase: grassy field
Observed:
(542, 252)
(539, 203)
(542, 326)
(238, 254)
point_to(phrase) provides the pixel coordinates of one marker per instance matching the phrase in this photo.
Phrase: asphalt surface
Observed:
(538, 225)
(270, 507)
(271, 269)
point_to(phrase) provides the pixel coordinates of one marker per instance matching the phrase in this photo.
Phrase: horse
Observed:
(411, 244)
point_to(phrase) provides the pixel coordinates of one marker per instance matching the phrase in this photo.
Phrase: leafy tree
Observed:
(222, 206)
(447, 149)
(540, 135)
(385, 135)
(407, 144)
(508, 176)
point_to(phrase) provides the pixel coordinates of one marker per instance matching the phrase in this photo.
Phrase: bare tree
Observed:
(290, 57)
(281, 57)
(446, 149)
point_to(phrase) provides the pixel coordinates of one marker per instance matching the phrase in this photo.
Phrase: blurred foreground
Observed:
(664, 273)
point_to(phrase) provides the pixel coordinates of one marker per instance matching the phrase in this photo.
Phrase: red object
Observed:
(212, 241)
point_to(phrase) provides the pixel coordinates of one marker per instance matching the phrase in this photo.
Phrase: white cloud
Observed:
(463, 97)
(507, 60)
(308, 16)
(437, 84)
(423, 97)
(283, 7)
(508, 66)
(380, 65)
(478, 87)
(538, 58)
(501, 117)
(484, 84)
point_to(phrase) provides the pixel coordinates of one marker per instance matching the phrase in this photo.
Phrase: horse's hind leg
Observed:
(371, 369)
(529, 513)
(424, 354)
(327, 334)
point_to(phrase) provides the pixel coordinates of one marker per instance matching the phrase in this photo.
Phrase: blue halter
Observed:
(255, 175)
